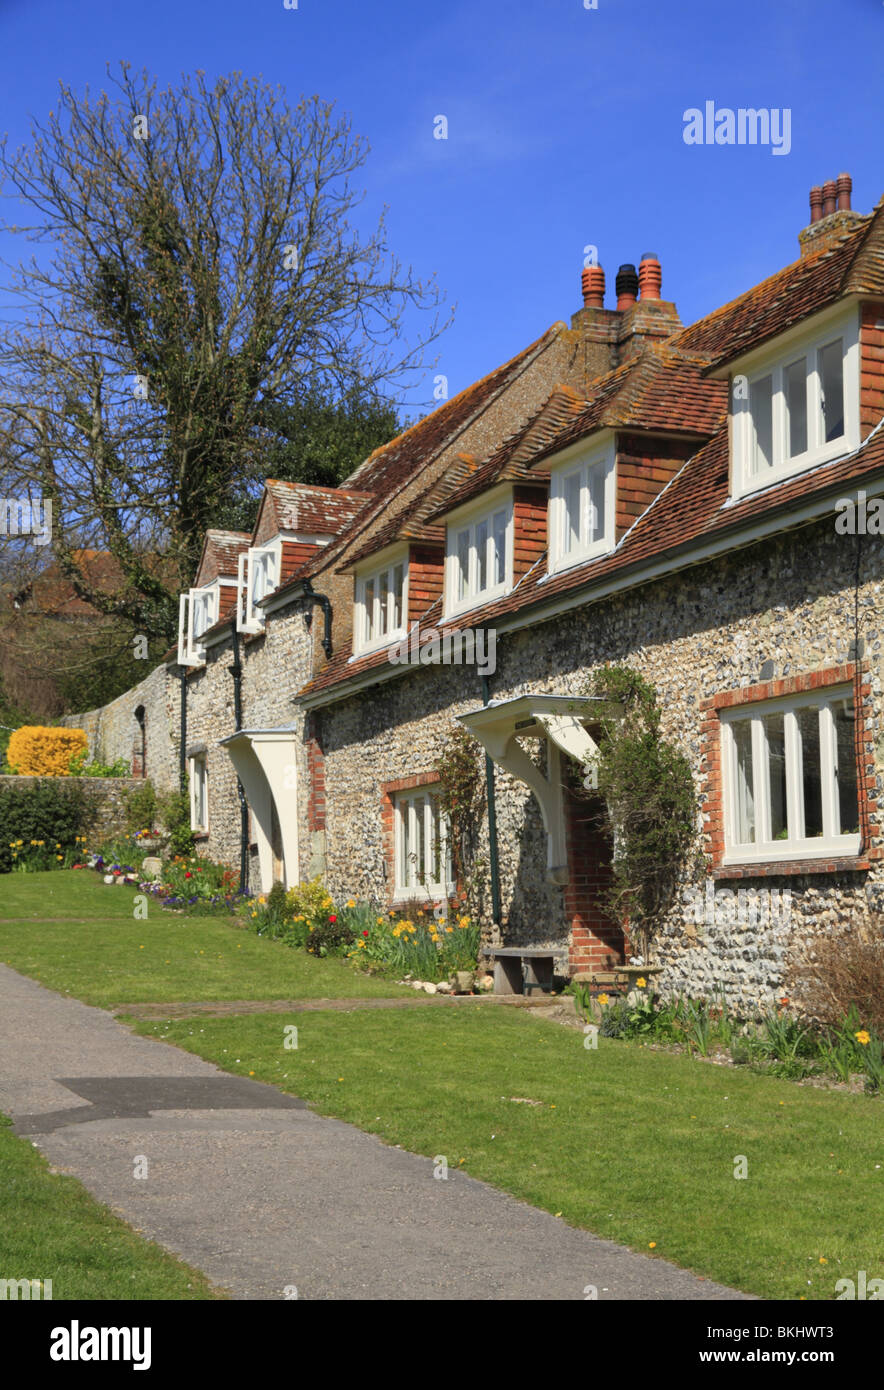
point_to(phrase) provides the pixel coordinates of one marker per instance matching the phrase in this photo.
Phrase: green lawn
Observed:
(106, 956)
(50, 1228)
(636, 1145)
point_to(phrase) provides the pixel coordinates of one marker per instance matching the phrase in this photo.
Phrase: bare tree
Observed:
(202, 274)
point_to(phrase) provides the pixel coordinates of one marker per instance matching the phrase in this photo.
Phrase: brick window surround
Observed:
(388, 812)
(315, 775)
(712, 784)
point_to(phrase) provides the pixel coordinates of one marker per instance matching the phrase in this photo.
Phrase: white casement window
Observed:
(199, 793)
(198, 609)
(581, 508)
(422, 852)
(479, 558)
(381, 604)
(258, 576)
(797, 408)
(790, 778)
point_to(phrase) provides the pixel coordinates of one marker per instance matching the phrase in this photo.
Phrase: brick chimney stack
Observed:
(830, 215)
(611, 336)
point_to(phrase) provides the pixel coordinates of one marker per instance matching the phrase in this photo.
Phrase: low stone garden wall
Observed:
(108, 795)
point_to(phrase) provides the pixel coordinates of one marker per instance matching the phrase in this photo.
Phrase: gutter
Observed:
(492, 822)
(236, 671)
(182, 753)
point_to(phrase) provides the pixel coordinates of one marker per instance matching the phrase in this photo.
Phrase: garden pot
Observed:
(463, 981)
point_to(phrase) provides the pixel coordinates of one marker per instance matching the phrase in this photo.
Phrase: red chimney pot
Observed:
(816, 204)
(828, 197)
(650, 277)
(844, 185)
(593, 281)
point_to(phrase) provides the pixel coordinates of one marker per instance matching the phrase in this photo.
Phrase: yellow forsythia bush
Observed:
(37, 752)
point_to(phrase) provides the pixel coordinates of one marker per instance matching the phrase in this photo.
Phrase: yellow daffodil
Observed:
(351, 902)
(863, 1037)
(641, 982)
(603, 999)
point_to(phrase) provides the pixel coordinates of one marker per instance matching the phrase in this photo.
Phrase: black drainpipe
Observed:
(325, 604)
(492, 822)
(236, 671)
(182, 757)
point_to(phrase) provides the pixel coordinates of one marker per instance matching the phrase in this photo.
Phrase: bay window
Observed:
(790, 778)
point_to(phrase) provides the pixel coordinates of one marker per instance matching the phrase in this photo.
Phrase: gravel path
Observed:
(265, 1196)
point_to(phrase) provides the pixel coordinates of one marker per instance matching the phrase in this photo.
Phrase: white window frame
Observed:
(408, 806)
(774, 362)
(363, 640)
(249, 617)
(191, 651)
(579, 464)
(764, 848)
(198, 768)
(470, 520)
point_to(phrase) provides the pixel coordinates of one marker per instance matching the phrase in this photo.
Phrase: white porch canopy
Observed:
(266, 763)
(560, 720)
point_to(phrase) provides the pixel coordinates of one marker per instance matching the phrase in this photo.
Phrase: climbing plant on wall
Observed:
(650, 803)
(462, 801)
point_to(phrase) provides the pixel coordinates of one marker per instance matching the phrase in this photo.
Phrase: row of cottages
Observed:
(625, 490)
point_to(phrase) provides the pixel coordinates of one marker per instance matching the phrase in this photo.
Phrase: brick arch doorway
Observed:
(595, 939)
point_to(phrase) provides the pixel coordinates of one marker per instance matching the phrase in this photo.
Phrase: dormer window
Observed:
(258, 576)
(581, 507)
(381, 604)
(479, 556)
(197, 611)
(796, 408)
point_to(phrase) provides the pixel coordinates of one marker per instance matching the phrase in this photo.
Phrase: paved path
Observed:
(252, 1187)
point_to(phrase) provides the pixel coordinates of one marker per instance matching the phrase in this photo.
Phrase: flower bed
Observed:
(427, 943)
(778, 1043)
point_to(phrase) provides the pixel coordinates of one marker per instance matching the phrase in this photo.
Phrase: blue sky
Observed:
(565, 129)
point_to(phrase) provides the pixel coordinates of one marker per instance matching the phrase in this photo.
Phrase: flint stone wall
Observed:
(113, 731)
(274, 667)
(108, 797)
(789, 602)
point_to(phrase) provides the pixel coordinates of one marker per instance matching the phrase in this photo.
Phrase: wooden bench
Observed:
(521, 969)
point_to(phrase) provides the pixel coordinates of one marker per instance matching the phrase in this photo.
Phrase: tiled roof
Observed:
(52, 593)
(854, 265)
(511, 462)
(323, 511)
(220, 554)
(693, 508)
(393, 465)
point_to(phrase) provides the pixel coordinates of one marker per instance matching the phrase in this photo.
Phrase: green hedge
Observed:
(51, 809)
